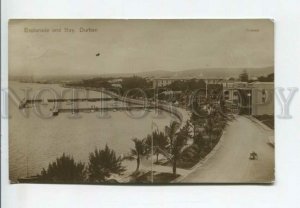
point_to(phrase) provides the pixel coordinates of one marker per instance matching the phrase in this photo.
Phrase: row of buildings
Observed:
(162, 82)
(256, 98)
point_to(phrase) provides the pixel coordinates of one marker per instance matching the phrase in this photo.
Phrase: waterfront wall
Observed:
(157, 105)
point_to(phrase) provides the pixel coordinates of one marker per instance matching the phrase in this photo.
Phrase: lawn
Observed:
(267, 120)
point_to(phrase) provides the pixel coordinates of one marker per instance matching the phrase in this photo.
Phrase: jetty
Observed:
(135, 104)
(25, 102)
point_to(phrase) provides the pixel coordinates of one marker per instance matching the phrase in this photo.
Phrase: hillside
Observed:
(209, 72)
(192, 73)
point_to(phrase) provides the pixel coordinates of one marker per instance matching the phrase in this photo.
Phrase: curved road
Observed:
(230, 163)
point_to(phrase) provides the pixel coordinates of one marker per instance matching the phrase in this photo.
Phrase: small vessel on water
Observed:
(22, 104)
(55, 112)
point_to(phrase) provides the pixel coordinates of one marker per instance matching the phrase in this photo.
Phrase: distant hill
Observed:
(209, 73)
(191, 73)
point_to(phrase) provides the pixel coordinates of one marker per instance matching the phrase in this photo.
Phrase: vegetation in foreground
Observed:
(179, 148)
(102, 164)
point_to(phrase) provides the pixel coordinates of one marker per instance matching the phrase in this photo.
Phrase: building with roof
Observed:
(255, 98)
(163, 82)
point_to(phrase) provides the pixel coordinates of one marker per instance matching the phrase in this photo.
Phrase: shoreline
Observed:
(180, 114)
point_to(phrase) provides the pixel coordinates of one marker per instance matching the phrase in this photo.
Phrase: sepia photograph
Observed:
(141, 101)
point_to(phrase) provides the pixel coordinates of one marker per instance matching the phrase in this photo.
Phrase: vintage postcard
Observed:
(141, 101)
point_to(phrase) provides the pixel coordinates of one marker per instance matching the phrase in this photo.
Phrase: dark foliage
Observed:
(177, 141)
(63, 170)
(190, 85)
(139, 151)
(103, 163)
(95, 83)
(160, 142)
(244, 76)
(268, 78)
(135, 82)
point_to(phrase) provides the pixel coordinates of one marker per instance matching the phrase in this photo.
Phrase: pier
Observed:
(24, 103)
(87, 110)
(136, 104)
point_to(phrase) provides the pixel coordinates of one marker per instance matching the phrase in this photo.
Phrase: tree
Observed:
(244, 76)
(103, 163)
(209, 128)
(214, 125)
(160, 141)
(63, 170)
(268, 78)
(198, 140)
(189, 85)
(139, 151)
(195, 122)
(177, 144)
(185, 130)
(135, 82)
(177, 141)
(171, 130)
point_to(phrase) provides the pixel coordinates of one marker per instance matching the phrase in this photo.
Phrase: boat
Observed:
(92, 109)
(55, 112)
(22, 104)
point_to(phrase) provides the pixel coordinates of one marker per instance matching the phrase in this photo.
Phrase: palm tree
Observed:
(103, 163)
(194, 120)
(63, 170)
(209, 128)
(171, 130)
(160, 141)
(185, 130)
(139, 151)
(177, 141)
(214, 125)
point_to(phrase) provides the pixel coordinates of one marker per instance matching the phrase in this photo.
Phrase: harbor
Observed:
(38, 143)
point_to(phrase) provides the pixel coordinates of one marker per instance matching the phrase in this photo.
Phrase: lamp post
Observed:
(206, 89)
(152, 151)
(152, 158)
(249, 97)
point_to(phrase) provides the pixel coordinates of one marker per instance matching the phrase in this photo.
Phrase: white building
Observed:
(255, 98)
(162, 82)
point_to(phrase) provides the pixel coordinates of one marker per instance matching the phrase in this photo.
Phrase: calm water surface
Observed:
(36, 141)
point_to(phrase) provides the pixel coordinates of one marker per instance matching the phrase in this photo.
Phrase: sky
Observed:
(127, 46)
